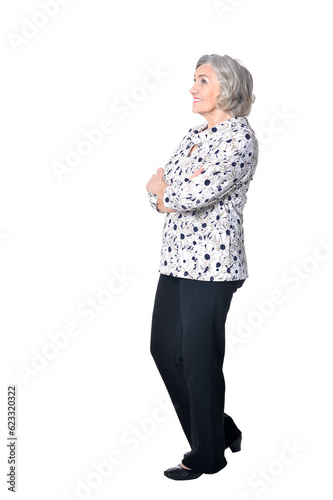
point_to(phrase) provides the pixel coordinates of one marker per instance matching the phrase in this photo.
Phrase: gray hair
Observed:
(236, 84)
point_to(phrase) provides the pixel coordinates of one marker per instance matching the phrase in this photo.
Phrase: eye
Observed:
(202, 80)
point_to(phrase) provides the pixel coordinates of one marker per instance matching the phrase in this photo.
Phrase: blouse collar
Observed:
(200, 134)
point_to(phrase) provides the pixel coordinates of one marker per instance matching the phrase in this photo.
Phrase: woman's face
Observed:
(205, 90)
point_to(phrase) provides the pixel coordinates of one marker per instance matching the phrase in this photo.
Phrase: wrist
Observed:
(160, 207)
(160, 190)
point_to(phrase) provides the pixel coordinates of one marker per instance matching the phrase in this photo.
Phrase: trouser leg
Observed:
(166, 347)
(182, 360)
(204, 307)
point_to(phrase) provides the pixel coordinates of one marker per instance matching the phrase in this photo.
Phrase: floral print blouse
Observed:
(204, 238)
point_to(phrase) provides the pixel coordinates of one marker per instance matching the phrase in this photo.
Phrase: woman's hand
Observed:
(157, 185)
(196, 173)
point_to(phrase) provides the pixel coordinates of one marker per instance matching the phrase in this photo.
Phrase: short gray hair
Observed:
(236, 84)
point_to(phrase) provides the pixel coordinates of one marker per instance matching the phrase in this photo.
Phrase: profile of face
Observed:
(205, 90)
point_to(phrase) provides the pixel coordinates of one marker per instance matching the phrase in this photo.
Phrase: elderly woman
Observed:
(202, 190)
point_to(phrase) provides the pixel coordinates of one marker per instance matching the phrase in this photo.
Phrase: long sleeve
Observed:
(232, 167)
(153, 200)
(153, 197)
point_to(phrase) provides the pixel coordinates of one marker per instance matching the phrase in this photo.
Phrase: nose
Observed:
(193, 89)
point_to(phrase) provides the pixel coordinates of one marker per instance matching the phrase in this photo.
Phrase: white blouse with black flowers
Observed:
(204, 238)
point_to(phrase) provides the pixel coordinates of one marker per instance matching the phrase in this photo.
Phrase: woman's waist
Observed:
(198, 234)
(219, 213)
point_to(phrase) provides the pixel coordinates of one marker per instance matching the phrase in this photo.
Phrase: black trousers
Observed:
(188, 346)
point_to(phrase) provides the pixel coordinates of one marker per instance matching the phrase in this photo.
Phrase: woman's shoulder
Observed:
(239, 129)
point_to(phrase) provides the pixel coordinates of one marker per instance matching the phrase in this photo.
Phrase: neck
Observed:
(216, 117)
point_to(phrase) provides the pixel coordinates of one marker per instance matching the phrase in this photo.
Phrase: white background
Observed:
(63, 239)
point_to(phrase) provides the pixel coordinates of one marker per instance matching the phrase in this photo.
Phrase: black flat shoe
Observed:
(179, 473)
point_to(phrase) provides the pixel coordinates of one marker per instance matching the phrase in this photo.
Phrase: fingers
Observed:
(196, 173)
(160, 172)
(151, 181)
